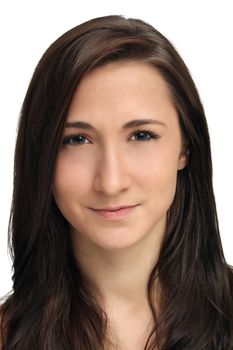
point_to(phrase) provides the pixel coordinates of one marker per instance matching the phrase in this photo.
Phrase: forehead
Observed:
(119, 90)
(125, 74)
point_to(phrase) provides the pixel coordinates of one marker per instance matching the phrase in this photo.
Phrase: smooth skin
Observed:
(109, 166)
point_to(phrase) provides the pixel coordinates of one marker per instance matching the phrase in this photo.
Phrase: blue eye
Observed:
(139, 135)
(73, 140)
(145, 135)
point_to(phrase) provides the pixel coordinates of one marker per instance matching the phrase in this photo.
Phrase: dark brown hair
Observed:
(53, 305)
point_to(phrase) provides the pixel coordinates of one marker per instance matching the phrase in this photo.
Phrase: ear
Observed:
(183, 159)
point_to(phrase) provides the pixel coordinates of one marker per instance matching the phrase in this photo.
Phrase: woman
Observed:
(114, 229)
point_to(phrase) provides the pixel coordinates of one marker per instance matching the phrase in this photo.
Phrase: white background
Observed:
(202, 31)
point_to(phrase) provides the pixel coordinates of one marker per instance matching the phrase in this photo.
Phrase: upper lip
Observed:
(116, 208)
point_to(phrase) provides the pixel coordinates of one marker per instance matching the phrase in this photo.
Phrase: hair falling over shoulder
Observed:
(53, 305)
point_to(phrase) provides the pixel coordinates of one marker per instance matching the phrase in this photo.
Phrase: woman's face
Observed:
(127, 155)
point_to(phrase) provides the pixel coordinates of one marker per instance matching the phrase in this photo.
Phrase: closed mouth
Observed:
(115, 208)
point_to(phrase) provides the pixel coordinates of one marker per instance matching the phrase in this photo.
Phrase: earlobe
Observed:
(183, 160)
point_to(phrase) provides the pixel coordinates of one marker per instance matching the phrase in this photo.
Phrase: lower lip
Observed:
(116, 214)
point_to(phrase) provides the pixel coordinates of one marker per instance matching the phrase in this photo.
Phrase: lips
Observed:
(117, 213)
(116, 208)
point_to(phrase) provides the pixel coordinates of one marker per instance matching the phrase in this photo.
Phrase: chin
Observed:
(117, 239)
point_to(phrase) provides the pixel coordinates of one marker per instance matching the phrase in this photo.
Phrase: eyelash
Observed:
(68, 140)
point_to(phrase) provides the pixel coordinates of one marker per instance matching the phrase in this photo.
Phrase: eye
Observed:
(145, 135)
(139, 135)
(73, 140)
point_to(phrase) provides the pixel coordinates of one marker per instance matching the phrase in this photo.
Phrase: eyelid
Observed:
(67, 138)
(152, 134)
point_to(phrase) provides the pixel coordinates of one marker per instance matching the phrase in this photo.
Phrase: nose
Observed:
(111, 175)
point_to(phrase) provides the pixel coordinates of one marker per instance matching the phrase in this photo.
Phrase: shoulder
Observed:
(1, 326)
(230, 272)
(230, 269)
(230, 284)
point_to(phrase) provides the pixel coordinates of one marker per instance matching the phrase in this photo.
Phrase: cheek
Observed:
(160, 178)
(71, 177)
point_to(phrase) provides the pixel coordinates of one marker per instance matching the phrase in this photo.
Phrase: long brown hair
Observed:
(53, 305)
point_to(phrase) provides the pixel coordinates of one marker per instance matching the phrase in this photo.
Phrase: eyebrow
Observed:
(128, 125)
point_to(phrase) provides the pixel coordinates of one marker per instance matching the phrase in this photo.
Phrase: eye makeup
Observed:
(77, 139)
